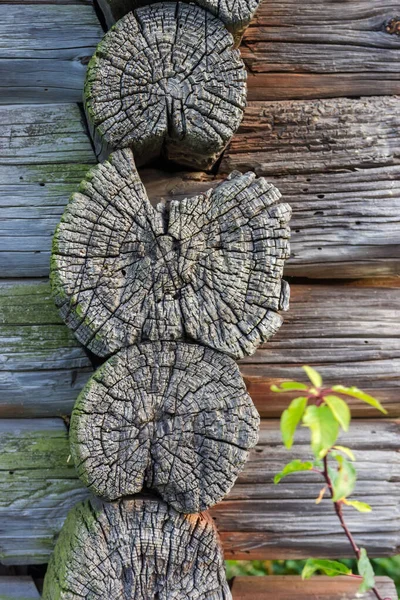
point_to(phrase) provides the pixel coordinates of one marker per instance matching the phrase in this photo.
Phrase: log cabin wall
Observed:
(323, 125)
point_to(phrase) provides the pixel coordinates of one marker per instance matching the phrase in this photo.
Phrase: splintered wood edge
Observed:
(208, 268)
(157, 416)
(136, 548)
(165, 80)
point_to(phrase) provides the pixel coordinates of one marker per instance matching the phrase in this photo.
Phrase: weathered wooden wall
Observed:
(257, 520)
(337, 161)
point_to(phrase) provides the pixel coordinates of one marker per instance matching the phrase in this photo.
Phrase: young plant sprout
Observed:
(325, 412)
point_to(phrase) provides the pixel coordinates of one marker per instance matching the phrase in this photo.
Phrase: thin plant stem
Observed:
(339, 511)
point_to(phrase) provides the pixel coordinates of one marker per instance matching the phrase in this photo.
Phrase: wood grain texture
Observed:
(321, 588)
(349, 332)
(323, 37)
(18, 588)
(45, 152)
(335, 161)
(44, 58)
(38, 486)
(324, 49)
(156, 416)
(208, 268)
(235, 15)
(321, 136)
(344, 223)
(305, 86)
(166, 81)
(40, 361)
(136, 548)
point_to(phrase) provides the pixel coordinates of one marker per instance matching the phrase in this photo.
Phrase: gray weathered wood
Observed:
(280, 587)
(208, 268)
(323, 37)
(40, 362)
(140, 549)
(344, 224)
(165, 80)
(39, 485)
(350, 332)
(18, 588)
(236, 15)
(45, 152)
(324, 49)
(44, 51)
(299, 137)
(156, 416)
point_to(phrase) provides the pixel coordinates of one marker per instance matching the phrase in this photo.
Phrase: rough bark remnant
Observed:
(236, 15)
(207, 268)
(158, 415)
(165, 80)
(137, 549)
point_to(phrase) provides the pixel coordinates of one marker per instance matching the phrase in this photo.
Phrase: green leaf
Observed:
(328, 567)
(346, 451)
(362, 507)
(293, 467)
(291, 418)
(366, 571)
(343, 479)
(340, 411)
(356, 393)
(324, 428)
(313, 376)
(287, 386)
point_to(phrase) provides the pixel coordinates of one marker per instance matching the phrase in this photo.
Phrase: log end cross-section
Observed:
(166, 81)
(173, 417)
(208, 268)
(138, 549)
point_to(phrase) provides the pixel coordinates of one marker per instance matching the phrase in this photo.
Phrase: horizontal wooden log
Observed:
(289, 586)
(321, 136)
(45, 152)
(324, 49)
(350, 332)
(44, 50)
(40, 360)
(345, 219)
(18, 588)
(303, 86)
(336, 162)
(38, 485)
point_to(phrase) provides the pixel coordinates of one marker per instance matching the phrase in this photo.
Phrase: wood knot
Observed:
(392, 27)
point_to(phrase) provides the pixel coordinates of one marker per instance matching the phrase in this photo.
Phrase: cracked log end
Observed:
(207, 268)
(172, 417)
(136, 548)
(166, 81)
(235, 14)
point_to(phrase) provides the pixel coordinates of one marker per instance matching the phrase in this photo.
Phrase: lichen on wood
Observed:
(166, 80)
(173, 417)
(207, 268)
(136, 548)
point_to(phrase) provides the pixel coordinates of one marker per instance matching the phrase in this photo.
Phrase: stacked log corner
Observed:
(170, 295)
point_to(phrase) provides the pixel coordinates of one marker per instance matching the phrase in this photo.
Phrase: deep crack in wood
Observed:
(207, 268)
(166, 80)
(173, 417)
(139, 549)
